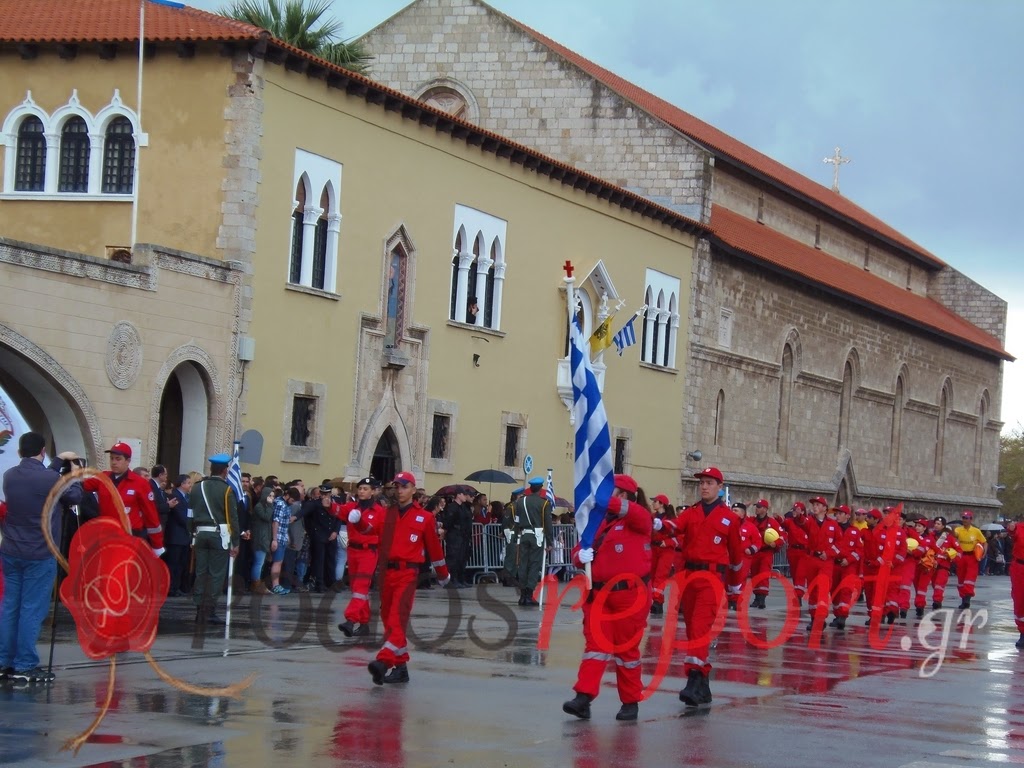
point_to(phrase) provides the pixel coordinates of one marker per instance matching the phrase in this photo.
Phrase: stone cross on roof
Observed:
(836, 160)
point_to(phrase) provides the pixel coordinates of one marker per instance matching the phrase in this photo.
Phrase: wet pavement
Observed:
(482, 694)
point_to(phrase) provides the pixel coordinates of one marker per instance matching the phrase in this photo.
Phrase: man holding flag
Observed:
(214, 523)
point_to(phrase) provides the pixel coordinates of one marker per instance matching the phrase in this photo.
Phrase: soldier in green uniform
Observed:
(532, 516)
(215, 527)
(510, 565)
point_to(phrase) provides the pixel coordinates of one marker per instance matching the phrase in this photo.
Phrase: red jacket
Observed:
(944, 541)
(822, 536)
(405, 535)
(763, 524)
(851, 544)
(750, 537)
(622, 544)
(137, 495)
(796, 535)
(665, 537)
(712, 538)
(372, 516)
(884, 545)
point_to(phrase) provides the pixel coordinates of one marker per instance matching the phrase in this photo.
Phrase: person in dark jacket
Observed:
(261, 532)
(29, 567)
(176, 536)
(322, 528)
(458, 536)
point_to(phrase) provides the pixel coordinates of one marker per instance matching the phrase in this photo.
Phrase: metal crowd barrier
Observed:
(487, 553)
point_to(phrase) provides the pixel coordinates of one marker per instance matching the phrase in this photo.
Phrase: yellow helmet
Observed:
(912, 544)
(770, 536)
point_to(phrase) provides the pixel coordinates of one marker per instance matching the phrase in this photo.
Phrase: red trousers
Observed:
(922, 578)
(700, 605)
(1017, 593)
(737, 578)
(662, 559)
(762, 563)
(966, 574)
(846, 583)
(613, 626)
(940, 577)
(886, 601)
(796, 558)
(396, 596)
(361, 565)
(907, 573)
(818, 574)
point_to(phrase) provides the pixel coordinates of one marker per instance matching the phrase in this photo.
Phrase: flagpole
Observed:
(570, 295)
(138, 114)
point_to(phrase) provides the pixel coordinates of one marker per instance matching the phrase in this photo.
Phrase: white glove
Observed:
(444, 582)
(508, 535)
(355, 516)
(586, 555)
(657, 524)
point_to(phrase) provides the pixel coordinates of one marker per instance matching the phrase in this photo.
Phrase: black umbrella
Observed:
(451, 490)
(491, 476)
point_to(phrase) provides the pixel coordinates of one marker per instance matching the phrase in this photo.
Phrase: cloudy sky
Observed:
(925, 97)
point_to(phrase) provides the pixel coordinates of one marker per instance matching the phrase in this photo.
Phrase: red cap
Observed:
(626, 483)
(405, 477)
(661, 498)
(875, 513)
(763, 503)
(713, 472)
(122, 449)
(967, 515)
(843, 508)
(800, 505)
(818, 500)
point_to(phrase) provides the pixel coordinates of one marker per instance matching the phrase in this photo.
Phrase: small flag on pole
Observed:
(626, 337)
(235, 474)
(594, 468)
(602, 337)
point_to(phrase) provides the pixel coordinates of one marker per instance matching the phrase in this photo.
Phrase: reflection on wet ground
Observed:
(483, 694)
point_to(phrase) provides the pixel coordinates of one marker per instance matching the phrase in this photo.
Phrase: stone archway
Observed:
(387, 457)
(186, 422)
(49, 398)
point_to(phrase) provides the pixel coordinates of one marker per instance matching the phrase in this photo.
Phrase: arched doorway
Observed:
(184, 416)
(386, 461)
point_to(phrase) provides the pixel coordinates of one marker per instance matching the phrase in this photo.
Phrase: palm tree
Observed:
(297, 23)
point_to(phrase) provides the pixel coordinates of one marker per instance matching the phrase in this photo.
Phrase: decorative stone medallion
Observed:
(124, 355)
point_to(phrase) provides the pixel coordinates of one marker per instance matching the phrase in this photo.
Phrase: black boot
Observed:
(936, 605)
(579, 706)
(760, 601)
(693, 693)
(361, 630)
(1020, 641)
(656, 609)
(523, 594)
(903, 613)
(628, 712)
(705, 689)
(840, 622)
(346, 628)
(890, 617)
(919, 611)
(528, 601)
(400, 674)
(377, 670)
(965, 603)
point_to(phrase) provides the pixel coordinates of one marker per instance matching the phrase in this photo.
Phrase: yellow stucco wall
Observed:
(397, 173)
(183, 113)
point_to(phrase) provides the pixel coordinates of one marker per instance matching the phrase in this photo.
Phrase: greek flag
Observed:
(235, 474)
(594, 468)
(626, 337)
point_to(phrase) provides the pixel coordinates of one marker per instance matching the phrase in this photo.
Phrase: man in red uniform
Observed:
(884, 552)
(362, 554)
(796, 550)
(750, 543)
(847, 569)
(709, 533)
(407, 533)
(1016, 564)
(615, 612)
(762, 561)
(136, 493)
(662, 555)
(908, 570)
(822, 552)
(925, 558)
(947, 550)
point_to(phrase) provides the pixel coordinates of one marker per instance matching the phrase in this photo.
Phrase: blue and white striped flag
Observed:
(235, 474)
(626, 337)
(550, 486)
(594, 468)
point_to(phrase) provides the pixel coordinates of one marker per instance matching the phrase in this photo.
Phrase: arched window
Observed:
(945, 397)
(785, 401)
(648, 337)
(395, 308)
(295, 262)
(118, 158)
(898, 404)
(455, 274)
(719, 417)
(30, 166)
(845, 403)
(74, 157)
(478, 268)
(979, 437)
(320, 241)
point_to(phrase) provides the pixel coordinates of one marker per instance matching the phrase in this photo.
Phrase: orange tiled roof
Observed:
(810, 264)
(113, 21)
(726, 145)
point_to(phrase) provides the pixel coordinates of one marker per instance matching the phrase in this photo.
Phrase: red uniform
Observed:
(363, 541)
(944, 542)
(137, 495)
(884, 552)
(925, 558)
(405, 536)
(710, 539)
(615, 613)
(847, 567)
(823, 538)
(796, 551)
(750, 544)
(1016, 565)
(663, 554)
(907, 571)
(765, 556)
